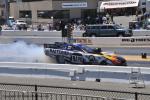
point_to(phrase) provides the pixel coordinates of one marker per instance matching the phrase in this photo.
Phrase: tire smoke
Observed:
(23, 52)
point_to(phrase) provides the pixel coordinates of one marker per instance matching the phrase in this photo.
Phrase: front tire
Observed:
(103, 62)
(120, 35)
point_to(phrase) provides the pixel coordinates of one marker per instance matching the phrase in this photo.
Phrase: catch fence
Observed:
(39, 92)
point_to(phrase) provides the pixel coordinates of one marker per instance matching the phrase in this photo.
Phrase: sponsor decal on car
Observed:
(59, 52)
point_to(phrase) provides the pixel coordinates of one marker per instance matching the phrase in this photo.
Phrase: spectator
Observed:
(104, 19)
(0, 30)
(97, 19)
(49, 26)
(100, 19)
(70, 29)
(137, 26)
(39, 27)
(107, 18)
(78, 22)
(112, 18)
(63, 30)
(24, 27)
(19, 27)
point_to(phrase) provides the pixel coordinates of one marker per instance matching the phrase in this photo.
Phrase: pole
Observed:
(36, 95)
(136, 96)
(6, 11)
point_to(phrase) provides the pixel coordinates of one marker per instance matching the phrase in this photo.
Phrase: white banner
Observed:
(119, 4)
(74, 5)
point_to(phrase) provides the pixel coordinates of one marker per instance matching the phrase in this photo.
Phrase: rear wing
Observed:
(50, 46)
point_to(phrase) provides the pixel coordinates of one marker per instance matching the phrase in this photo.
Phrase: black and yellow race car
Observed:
(81, 54)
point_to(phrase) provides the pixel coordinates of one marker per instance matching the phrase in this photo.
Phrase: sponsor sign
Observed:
(74, 5)
(135, 41)
(119, 4)
(83, 41)
(131, 40)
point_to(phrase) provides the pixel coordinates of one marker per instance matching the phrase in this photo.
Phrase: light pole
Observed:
(6, 10)
(26, 16)
(52, 18)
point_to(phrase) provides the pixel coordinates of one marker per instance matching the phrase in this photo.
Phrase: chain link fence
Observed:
(38, 92)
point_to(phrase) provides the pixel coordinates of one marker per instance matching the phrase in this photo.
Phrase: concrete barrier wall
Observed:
(41, 37)
(68, 67)
(141, 32)
(142, 41)
(38, 33)
(67, 71)
(31, 33)
(76, 33)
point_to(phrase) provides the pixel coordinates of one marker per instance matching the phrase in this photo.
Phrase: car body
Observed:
(20, 22)
(11, 21)
(106, 30)
(147, 24)
(134, 24)
(81, 54)
(148, 27)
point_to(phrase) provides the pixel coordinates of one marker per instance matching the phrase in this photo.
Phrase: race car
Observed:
(81, 54)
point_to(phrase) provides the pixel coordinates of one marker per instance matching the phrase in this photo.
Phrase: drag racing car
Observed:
(81, 54)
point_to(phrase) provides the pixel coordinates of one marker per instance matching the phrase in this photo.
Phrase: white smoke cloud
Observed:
(23, 52)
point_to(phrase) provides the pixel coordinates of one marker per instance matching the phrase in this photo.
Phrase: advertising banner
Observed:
(74, 5)
(119, 4)
(135, 41)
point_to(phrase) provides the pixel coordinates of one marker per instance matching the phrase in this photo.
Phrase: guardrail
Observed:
(72, 72)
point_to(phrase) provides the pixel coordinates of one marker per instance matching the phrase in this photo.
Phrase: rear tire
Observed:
(60, 59)
(93, 35)
(84, 35)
